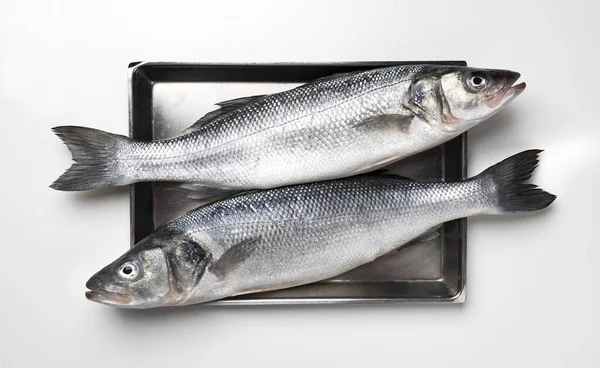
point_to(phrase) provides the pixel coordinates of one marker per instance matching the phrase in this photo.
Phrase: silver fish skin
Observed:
(285, 237)
(331, 128)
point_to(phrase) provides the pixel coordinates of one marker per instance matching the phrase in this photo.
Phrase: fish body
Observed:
(290, 236)
(331, 128)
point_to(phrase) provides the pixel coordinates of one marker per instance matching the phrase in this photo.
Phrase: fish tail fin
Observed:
(94, 152)
(510, 193)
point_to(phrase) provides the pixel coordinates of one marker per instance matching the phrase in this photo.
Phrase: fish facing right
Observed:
(333, 127)
(285, 237)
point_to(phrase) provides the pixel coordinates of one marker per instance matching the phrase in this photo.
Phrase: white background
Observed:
(532, 292)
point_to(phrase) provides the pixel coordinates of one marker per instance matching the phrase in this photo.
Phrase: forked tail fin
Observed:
(507, 179)
(95, 155)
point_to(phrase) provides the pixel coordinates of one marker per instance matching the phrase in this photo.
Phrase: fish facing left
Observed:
(291, 236)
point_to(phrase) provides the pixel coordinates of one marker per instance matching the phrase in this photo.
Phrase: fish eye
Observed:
(128, 271)
(476, 82)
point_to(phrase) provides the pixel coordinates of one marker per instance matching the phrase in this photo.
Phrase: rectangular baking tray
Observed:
(165, 98)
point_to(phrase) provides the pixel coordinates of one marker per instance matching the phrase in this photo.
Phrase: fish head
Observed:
(157, 272)
(454, 99)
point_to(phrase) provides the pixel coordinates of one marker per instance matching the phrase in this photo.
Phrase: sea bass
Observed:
(334, 127)
(290, 236)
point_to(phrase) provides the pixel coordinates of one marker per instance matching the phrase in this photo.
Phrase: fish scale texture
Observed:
(315, 231)
(291, 236)
(282, 138)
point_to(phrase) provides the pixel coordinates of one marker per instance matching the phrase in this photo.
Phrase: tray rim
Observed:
(458, 298)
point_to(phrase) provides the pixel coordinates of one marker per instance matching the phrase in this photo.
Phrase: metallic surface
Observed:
(165, 98)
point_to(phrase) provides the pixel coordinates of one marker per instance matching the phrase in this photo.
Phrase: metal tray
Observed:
(166, 98)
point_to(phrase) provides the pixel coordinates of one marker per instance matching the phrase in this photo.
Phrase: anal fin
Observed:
(426, 237)
(200, 191)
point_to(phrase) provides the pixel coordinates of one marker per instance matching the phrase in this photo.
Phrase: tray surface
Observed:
(166, 98)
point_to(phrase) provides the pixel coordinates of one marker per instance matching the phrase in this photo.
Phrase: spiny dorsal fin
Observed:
(336, 75)
(225, 108)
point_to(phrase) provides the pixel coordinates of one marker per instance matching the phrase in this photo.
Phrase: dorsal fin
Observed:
(336, 75)
(383, 173)
(239, 102)
(225, 108)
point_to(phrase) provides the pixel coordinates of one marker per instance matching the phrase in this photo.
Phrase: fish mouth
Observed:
(108, 297)
(507, 92)
(116, 299)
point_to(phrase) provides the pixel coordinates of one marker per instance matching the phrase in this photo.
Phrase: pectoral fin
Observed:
(234, 257)
(386, 121)
(375, 166)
